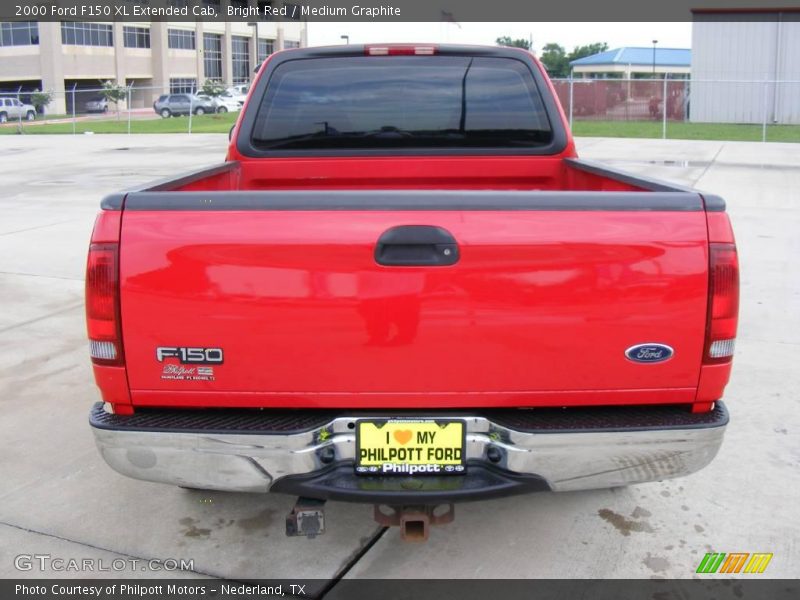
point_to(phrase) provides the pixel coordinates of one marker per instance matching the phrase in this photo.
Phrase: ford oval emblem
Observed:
(649, 353)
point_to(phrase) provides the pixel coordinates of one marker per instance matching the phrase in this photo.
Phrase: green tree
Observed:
(41, 99)
(587, 50)
(518, 43)
(114, 93)
(212, 88)
(554, 59)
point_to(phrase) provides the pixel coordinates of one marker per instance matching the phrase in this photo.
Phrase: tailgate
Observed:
(278, 298)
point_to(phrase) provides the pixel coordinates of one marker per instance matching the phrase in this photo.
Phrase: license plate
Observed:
(410, 447)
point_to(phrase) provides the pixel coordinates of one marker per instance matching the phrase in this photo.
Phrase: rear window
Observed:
(401, 102)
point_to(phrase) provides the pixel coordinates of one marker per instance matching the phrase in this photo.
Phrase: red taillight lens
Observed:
(102, 304)
(400, 50)
(723, 303)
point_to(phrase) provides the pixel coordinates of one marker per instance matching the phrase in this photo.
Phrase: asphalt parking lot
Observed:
(59, 498)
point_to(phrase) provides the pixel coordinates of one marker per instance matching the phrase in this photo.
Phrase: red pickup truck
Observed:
(404, 288)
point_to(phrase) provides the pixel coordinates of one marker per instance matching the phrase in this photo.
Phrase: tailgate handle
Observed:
(416, 245)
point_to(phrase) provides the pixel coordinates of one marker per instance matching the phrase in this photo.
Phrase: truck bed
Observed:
(463, 173)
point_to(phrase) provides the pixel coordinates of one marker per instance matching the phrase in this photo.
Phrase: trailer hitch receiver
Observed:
(414, 521)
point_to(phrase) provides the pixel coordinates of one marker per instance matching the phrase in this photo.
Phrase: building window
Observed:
(212, 55)
(19, 33)
(182, 85)
(240, 57)
(180, 39)
(77, 33)
(265, 48)
(136, 37)
(291, 44)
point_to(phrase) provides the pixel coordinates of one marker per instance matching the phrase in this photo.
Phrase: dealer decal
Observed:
(181, 373)
(190, 359)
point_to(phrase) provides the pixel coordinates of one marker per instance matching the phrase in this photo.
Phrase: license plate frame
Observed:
(415, 462)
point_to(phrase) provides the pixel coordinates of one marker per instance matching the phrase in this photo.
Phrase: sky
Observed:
(569, 35)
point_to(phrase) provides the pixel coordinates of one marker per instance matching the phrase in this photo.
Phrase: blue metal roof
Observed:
(665, 57)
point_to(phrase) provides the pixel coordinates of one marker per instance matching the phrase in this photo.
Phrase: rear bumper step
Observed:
(311, 453)
(482, 482)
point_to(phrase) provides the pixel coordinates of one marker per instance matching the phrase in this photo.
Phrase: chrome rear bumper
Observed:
(315, 455)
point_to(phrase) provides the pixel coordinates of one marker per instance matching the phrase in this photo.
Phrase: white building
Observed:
(745, 67)
(154, 57)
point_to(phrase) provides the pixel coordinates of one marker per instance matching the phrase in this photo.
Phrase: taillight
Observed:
(102, 304)
(723, 303)
(400, 50)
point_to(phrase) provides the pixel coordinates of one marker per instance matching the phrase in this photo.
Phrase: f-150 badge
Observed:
(190, 356)
(649, 353)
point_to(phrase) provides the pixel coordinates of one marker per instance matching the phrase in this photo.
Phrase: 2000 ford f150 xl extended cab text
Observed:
(404, 288)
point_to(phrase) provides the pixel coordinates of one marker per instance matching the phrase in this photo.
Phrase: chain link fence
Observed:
(86, 110)
(757, 110)
(765, 110)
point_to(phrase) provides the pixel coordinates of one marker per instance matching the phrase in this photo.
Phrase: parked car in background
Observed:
(237, 93)
(96, 104)
(222, 104)
(228, 97)
(241, 89)
(11, 108)
(170, 105)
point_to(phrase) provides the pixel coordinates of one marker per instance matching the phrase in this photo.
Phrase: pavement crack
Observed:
(352, 562)
(36, 227)
(43, 276)
(763, 341)
(711, 163)
(42, 318)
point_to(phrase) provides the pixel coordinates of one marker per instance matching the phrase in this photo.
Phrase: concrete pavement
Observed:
(59, 497)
